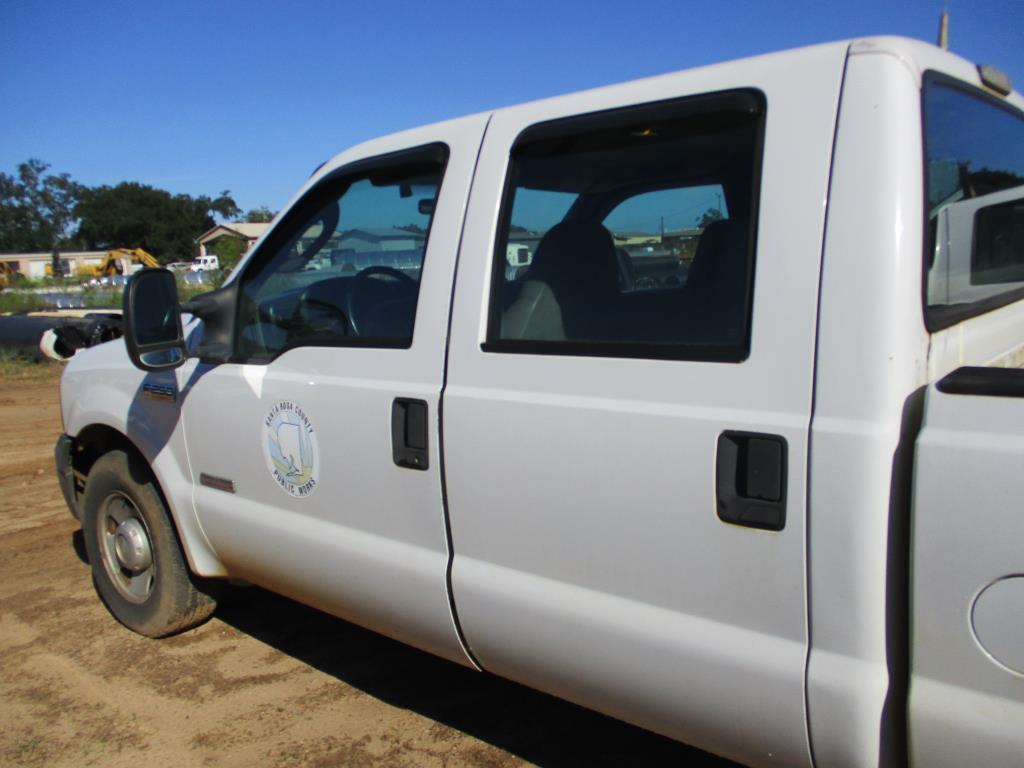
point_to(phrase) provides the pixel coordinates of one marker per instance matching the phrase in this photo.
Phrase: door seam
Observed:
(441, 466)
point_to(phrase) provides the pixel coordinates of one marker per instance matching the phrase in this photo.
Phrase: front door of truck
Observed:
(629, 393)
(315, 456)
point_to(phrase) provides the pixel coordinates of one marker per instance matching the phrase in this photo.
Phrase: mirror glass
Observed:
(163, 358)
(155, 308)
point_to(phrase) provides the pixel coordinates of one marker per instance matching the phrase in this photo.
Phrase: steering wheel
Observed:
(317, 317)
(355, 304)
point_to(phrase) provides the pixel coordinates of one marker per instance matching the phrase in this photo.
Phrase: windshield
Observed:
(974, 148)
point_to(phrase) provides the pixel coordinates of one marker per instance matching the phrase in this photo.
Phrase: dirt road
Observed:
(267, 682)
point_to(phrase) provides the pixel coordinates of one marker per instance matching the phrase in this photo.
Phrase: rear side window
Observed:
(630, 233)
(974, 147)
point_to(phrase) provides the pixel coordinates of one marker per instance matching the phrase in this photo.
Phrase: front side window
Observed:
(630, 233)
(974, 147)
(343, 269)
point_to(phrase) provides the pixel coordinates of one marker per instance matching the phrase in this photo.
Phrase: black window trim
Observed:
(435, 153)
(938, 317)
(676, 108)
(983, 382)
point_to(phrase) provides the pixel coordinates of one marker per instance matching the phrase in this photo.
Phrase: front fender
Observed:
(101, 389)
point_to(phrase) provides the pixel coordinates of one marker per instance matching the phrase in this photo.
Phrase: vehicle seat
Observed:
(716, 284)
(534, 314)
(571, 288)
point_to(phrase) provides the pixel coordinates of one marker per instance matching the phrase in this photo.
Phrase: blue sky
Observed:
(199, 97)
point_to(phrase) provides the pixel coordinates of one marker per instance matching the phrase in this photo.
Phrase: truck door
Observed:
(315, 451)
(627, 407)
(967, 574)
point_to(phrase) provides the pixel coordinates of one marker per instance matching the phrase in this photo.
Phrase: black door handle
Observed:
(750, 480)
(409, 433)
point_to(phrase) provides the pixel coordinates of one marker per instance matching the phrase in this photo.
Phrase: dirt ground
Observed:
(266, 682)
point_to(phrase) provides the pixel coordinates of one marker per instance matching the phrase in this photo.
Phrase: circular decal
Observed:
(289, 446)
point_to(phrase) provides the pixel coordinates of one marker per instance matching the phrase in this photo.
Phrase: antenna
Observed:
(944, 30)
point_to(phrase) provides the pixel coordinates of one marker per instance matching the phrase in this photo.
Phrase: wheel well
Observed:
(91, 443)
(98, 439)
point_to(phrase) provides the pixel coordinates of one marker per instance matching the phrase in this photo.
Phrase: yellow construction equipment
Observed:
(120, 261)
(7, 273)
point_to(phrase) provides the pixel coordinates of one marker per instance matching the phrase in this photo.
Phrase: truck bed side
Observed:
(967, 623)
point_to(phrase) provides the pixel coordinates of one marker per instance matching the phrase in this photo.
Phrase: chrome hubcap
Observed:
(126, 549)
(132, 546)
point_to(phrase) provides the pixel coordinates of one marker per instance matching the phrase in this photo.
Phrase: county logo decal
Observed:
(289, 445)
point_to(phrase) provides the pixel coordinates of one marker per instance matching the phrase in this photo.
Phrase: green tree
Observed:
(14, 224)
(228, 250)
(37, 210)
(261, 215)
(987, 180)
(132, 215)
(710, 216)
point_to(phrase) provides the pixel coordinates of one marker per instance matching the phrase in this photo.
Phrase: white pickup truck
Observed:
(736, 456)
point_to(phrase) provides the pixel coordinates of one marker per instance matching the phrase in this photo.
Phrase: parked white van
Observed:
(204, 263)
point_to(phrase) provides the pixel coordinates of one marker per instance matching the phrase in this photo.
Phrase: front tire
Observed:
(137, 563)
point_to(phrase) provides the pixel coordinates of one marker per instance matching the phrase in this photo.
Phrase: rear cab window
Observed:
(974, 153)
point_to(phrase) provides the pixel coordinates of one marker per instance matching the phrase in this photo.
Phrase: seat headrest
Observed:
(580, 252)
(720, 258)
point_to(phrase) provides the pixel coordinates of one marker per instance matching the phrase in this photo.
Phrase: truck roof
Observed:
(916, 55)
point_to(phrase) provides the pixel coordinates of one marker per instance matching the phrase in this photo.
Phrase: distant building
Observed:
(239, 230)
(380, 239)
(682, 242)
(33, 265)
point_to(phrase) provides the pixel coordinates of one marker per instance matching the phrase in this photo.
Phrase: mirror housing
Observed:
(152, 321)
(217, 310)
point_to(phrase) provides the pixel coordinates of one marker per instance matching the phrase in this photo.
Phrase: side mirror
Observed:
(152, 321)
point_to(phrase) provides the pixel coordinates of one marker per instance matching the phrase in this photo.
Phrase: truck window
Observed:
(638, 227)
(974, 146)
(536, 211)
(656, 234)
(344, 269)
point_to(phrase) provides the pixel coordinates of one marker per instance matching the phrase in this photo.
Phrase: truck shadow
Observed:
(531, 725)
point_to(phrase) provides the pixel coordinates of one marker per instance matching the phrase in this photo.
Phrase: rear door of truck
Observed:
(626, 412)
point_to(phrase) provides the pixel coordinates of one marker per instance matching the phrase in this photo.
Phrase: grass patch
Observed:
(14, 301)
(100, 297)
(20, 281)
(22, 365)
(188, 291)
(18, 301)
(28, 746)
